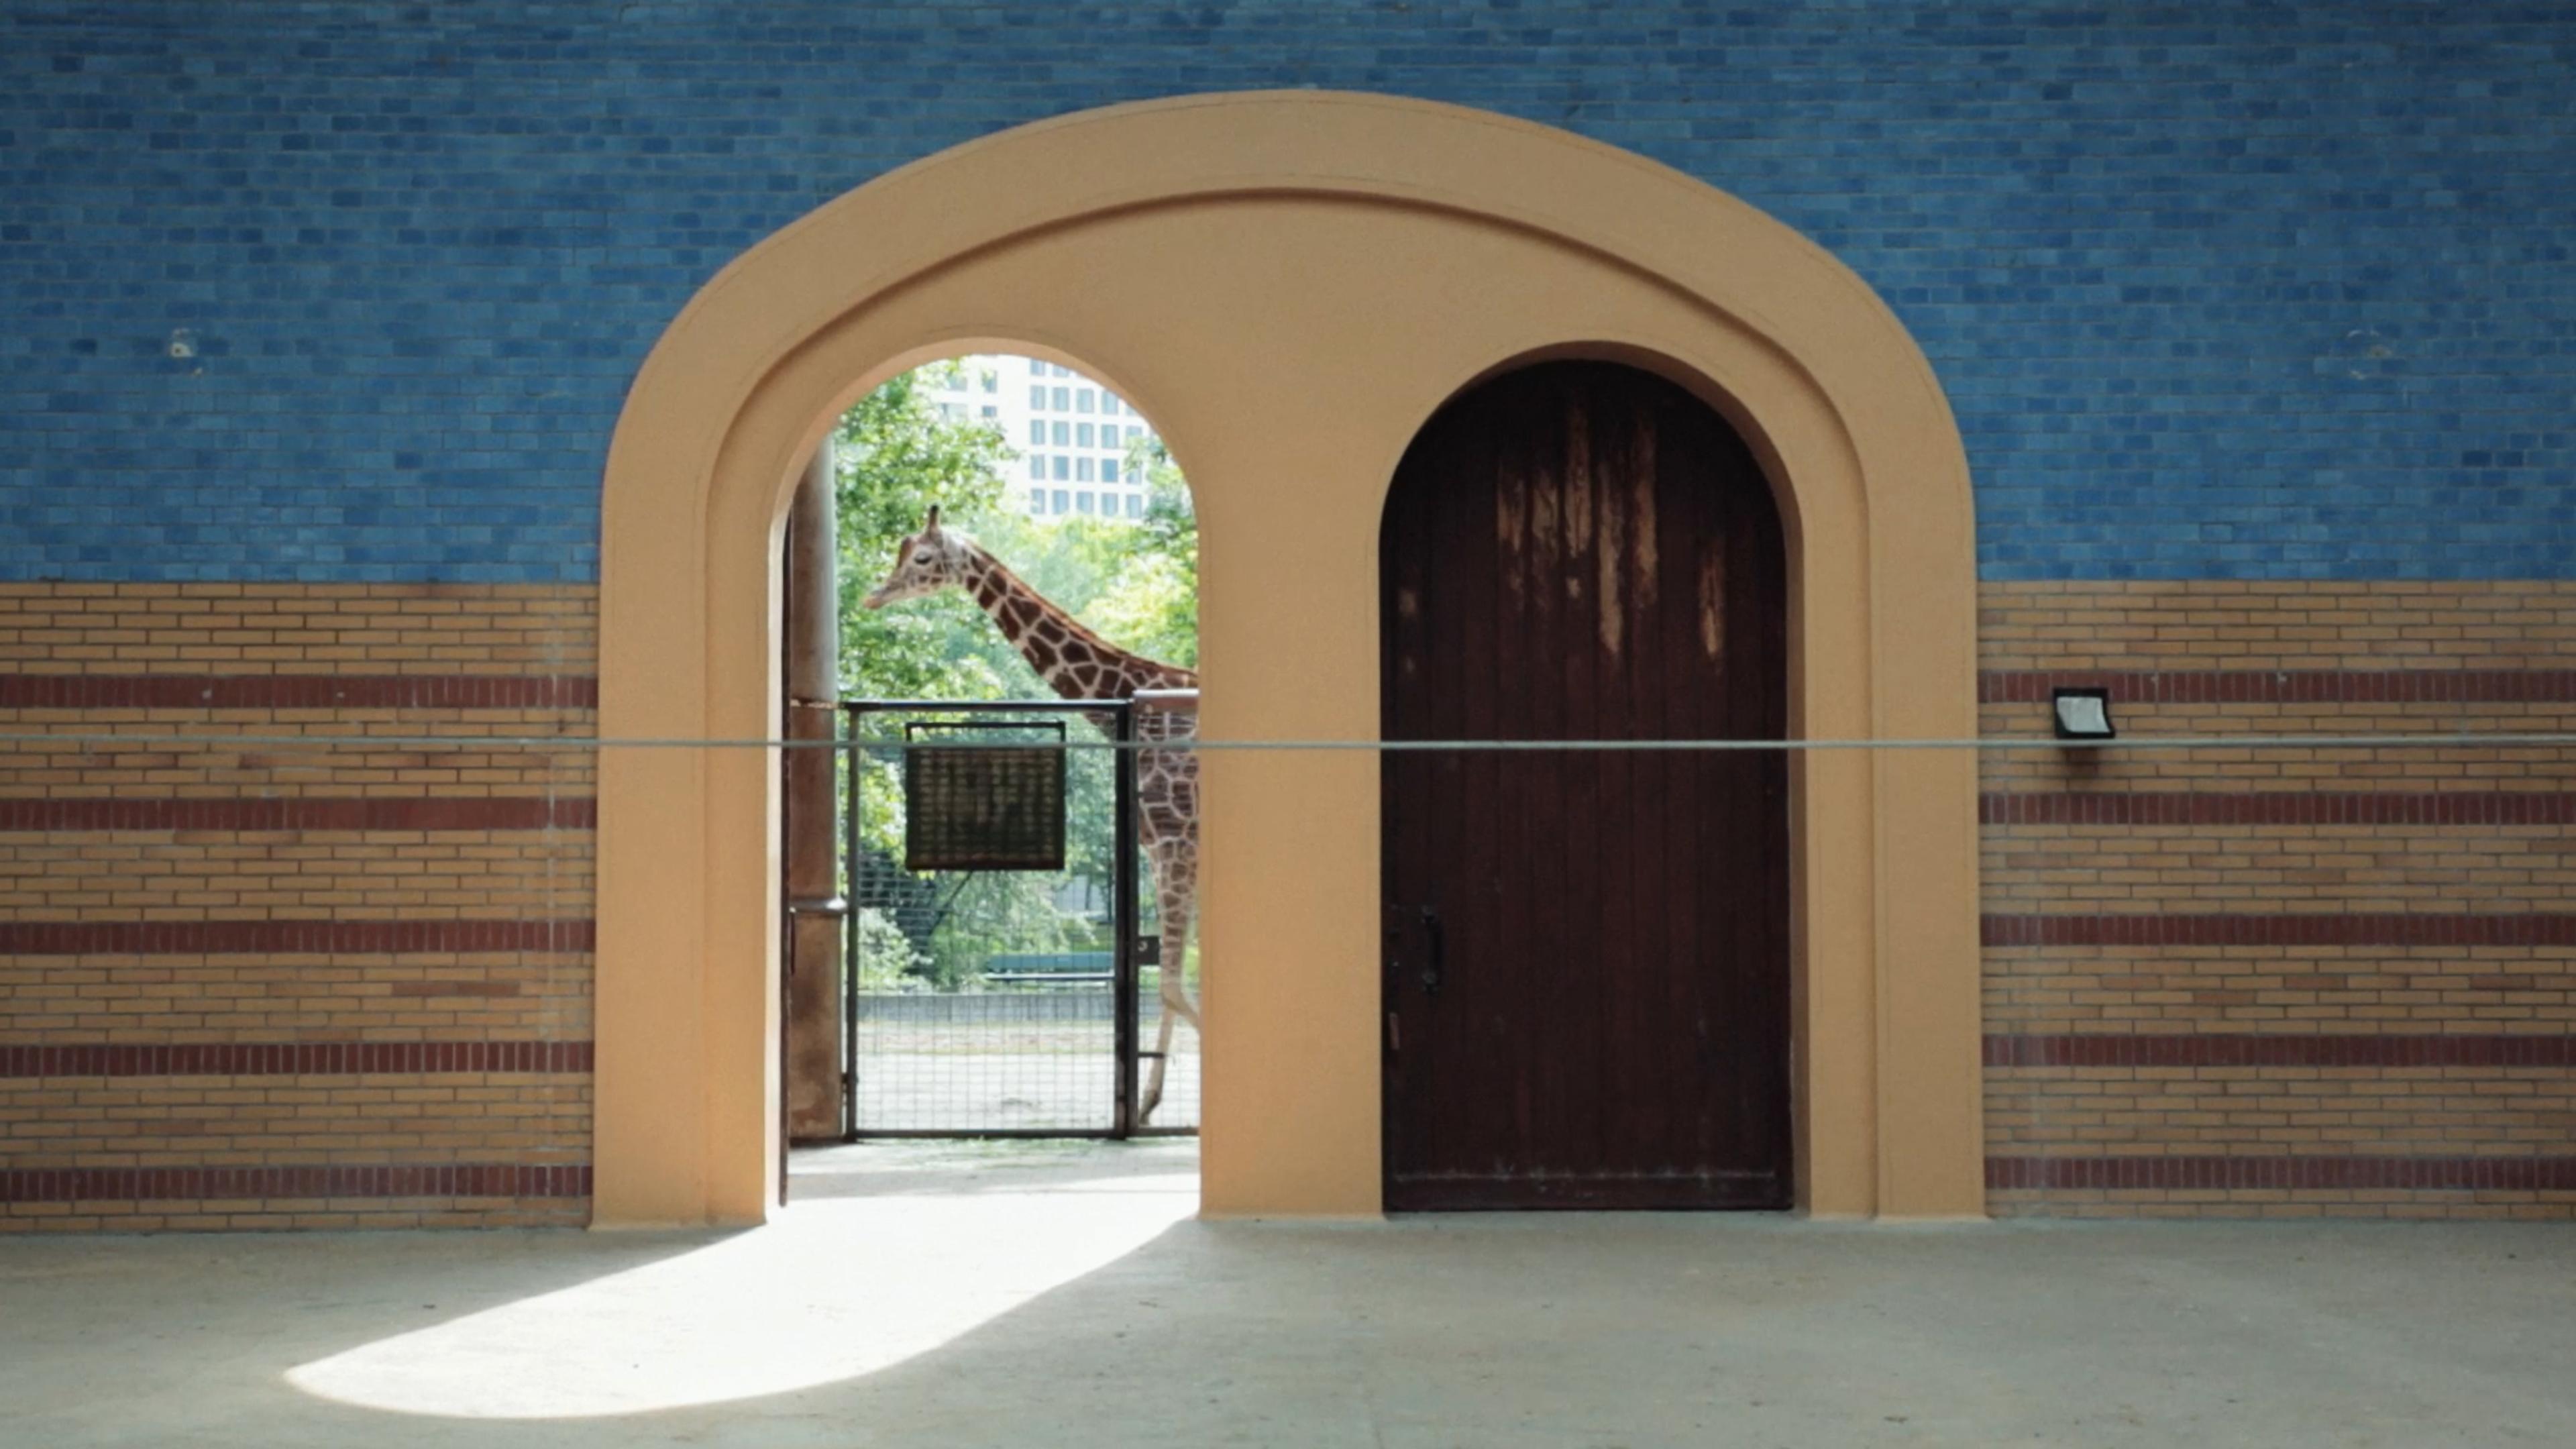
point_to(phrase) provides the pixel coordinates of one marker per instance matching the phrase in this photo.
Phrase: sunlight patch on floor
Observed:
(833, 1290)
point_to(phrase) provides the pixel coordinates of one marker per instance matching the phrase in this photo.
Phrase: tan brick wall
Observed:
(259, 650)
(226, 1121)
(2220, 989)
(2438, 767)
(270, 1214)
(2427, 657)
(2409, 1203)
(2240, 624)
(235, 629)
(2310, 868)
(2429, 1111)
(272, 875)
(346, 767)
(2384, 845)
(292, 998)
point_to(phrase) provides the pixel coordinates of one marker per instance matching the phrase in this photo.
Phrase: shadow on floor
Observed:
(1086, 1306)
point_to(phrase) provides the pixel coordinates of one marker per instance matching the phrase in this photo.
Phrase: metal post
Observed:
(854, 765)
(1123, 920)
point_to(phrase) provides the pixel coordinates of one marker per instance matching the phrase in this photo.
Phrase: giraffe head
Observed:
(929, 561)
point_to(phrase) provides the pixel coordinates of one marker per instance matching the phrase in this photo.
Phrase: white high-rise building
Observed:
(1072, 434)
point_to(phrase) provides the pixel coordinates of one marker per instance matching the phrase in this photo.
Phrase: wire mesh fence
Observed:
(986, 999)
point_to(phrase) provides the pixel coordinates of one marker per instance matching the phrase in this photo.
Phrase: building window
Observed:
(1062, 405)
(1082, 435)
(1063, 467)
(992, 412)
(1134, 433)
(1082, 401)
(1082, 501)
(1036, 368)
(1082, 469)
(1037, 432)
(1135, 505)
(1059, 500)
(1037, 398)
(1037, 500)
(1135, 476)
(1064, 435)
(1037, 466)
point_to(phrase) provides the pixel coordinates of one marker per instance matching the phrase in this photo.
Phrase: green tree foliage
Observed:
(886, 954)
(897, 457)
(1151, 601)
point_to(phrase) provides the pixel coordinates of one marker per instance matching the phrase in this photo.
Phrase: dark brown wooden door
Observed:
(1587, 954)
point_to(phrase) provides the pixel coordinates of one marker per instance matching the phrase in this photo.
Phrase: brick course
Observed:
(223, 636)
(2205, 989)
(262, 997)
(142, 877)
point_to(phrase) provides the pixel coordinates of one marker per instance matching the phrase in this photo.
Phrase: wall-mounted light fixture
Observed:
(2083, 714)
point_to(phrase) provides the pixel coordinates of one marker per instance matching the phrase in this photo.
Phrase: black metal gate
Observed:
(996, 948)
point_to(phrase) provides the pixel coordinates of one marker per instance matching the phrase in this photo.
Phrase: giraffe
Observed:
(1078, 664)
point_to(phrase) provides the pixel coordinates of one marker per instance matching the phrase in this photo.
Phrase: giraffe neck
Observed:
(1075, 662)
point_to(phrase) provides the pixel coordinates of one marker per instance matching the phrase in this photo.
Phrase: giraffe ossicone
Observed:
(1077, 663)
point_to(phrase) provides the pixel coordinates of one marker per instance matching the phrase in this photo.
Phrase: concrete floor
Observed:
(1049, 1295)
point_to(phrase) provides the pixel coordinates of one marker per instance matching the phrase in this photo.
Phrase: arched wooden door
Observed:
(1587, 954)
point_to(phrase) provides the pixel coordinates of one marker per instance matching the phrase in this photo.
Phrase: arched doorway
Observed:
(1289, 282)
(988, 1000)
(1588, 968)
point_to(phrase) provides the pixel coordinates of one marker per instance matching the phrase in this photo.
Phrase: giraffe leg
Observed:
(1153, 1097)
(1175, 887)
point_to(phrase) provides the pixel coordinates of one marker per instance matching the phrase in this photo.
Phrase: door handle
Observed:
(1438, 965)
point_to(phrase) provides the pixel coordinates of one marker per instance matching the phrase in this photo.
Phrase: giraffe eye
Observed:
(922, 557)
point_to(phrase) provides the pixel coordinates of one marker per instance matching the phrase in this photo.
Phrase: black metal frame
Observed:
(790, 908)
(1125, 909)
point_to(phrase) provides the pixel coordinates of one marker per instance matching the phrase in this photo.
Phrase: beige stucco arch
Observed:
(1288, 283)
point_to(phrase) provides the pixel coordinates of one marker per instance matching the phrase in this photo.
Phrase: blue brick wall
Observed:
(2235, 289)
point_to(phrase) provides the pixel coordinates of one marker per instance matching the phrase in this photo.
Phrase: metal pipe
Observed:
(1124, 924)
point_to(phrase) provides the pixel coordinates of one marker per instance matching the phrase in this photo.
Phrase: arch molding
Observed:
(1289, 283)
